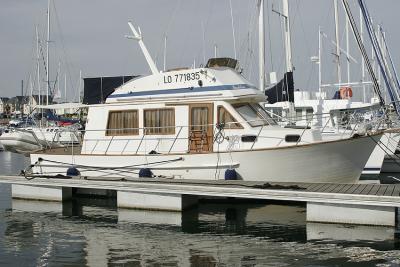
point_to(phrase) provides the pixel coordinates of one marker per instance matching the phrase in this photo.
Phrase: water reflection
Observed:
(11, 163)
(348, 233)
(97, 233)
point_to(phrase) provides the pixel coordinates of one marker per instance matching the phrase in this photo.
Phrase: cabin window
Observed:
(254, 114)
(159, 121)
(299, 114)
(124, 122)
(225, 118)
(309, 114)
(200, 117)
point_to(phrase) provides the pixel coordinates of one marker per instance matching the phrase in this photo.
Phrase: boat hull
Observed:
(386, 146)
(26, 142)
(19, 143)
(340, 161)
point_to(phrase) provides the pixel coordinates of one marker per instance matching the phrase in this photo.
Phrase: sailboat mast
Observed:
(38, 64)
(48, 54)
(65, 88)
(261, 45)
(288, 45)
(319, 62)
(347, 50)
(80, 85)
(58, 80)
(337, 41)
(362, 58)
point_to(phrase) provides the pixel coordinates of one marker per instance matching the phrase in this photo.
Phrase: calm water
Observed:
(94, 233)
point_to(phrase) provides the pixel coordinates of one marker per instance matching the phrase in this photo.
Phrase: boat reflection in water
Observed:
(95, 232)
(322, 231)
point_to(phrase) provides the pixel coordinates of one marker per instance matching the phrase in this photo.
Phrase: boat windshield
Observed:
(254, 114)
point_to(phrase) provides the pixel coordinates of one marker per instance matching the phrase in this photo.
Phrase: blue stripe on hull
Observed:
(186, 90)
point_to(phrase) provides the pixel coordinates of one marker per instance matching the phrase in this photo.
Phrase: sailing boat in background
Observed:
(43, 131)
(338, 116)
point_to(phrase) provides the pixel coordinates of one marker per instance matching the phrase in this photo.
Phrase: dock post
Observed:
(45, 193)
(155, 201)
(351, 214)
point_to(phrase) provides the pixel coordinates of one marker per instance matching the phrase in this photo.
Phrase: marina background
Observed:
(89, 36)
(88, 231)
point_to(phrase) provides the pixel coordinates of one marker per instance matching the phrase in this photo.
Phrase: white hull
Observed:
(387, 145)
(330, 162)
(28, 141)
(19, 142)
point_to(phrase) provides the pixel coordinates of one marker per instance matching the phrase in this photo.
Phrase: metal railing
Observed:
(155, 139)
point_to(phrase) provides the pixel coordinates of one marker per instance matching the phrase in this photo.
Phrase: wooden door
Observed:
(200, 128)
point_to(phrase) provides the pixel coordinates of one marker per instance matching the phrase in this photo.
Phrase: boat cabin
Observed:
(200, 110)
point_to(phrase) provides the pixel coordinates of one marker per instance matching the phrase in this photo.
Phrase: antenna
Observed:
(165, 52)
(137, 35)
(233, 29)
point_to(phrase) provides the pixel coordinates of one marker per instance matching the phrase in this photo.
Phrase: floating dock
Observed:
(367, 204)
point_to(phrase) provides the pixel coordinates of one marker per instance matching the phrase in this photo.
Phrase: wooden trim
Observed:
(210, 128)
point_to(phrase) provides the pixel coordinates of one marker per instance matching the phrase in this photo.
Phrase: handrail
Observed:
(109, 145)
(94, 147)
(123, 150)
(124, 141)
(173, 143)
(141, 140)
(304, 130)
(258, 135)
(348, 124)
(326, 124)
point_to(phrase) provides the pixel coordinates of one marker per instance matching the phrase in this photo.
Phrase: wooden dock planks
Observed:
(316, 192)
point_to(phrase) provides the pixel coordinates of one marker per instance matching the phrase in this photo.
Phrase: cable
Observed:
(390, 156)
(112, 168)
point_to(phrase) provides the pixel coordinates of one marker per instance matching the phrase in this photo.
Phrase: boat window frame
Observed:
(173, 127)
(134, 130)
(309, 115)
(236, 125)
(299, 113)
(263, 119)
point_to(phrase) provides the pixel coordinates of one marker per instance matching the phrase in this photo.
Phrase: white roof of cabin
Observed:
(187, 84)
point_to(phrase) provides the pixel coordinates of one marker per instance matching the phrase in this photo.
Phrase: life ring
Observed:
(345, 93)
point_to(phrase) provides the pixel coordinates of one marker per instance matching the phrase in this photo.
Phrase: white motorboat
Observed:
(327, 114)
(203, 123)
(30, 139)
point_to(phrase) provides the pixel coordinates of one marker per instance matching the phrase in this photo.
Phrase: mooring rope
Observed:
(112, 168)
(117, 170)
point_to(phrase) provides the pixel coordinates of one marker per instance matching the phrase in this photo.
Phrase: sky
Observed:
(89, 36)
